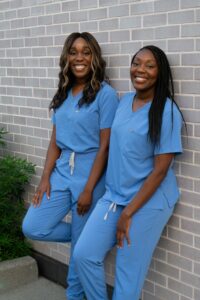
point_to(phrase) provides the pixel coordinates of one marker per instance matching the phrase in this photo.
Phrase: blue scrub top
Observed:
(78, 128)
(131, 154)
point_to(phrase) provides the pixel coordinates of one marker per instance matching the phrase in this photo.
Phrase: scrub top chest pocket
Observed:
(137, 144)
(86, 119)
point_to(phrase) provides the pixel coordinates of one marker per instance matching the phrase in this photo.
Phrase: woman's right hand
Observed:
(44, 187)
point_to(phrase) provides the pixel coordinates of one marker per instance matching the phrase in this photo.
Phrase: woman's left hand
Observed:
(123, 227)
(84, 202)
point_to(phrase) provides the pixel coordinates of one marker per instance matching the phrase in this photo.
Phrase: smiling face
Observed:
(80, 59)
(144, 72)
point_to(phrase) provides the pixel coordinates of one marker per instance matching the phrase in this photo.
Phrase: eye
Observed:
(135, 64)
(150, 66)
(87, 53)
(72, 52)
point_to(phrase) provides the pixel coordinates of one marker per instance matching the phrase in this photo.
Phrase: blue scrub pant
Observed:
(44, 223)
(132, 262)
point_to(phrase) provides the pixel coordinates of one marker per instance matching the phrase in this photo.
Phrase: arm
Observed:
(53, 153)
(85, 198)
(161, 166)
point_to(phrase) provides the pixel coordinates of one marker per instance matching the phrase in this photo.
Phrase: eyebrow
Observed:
(85, 47)
(149, 60)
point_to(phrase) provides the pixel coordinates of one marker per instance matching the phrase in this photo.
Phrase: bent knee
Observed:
(27, 228)
(30, 230)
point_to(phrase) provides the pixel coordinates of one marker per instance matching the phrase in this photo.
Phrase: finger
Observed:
(120, 238)
(128, 239)
(48, 192)
(35, 199)
(79, 209)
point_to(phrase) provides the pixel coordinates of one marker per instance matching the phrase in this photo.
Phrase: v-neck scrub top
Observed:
(131, 154)
(78, 128)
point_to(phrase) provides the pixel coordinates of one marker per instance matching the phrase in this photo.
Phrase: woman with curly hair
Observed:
(74, 173)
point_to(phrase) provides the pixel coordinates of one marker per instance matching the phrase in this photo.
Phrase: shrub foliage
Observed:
(15, 173)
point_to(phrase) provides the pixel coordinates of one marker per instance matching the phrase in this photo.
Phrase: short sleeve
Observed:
(170, 137)
(53, 118)
(108, 103)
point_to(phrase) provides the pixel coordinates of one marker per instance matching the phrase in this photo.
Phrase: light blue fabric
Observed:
(131, 154)
(77, 130)
(131, 160)
(132, 262)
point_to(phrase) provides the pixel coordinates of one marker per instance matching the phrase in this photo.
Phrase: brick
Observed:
(119, 61)
(147, 296)
(23, 12)
(107, 2)
(109, 24)
(165, 294)
(190, 30)
(142, 8)
(163, 32)
(143, 34)
(30, 22)
(97, 14)
(183, 210)
(61, 18)
(169, 245)
(130, 22)
(190, 226)
(118, 11)
(190, 4)
(191, 279)
(88, 26)
(45, 20)
(190, 253)
(88, 4)
(109, 49)
(154, 20)
(166, 6)
(78, 16)
(70, 5)
(120, 36)
(53, 29)
(181, 17)
(53, 8)
(197, 268)
(179, 287)
(37, 11)
(185, 183)
(180, 262)
(157, 278)
(12, 14)
(68, 28)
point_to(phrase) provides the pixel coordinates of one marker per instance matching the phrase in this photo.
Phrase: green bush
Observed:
(15, 173)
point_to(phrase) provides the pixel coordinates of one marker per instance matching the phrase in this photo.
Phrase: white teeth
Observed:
(140, 79)
(79, 67)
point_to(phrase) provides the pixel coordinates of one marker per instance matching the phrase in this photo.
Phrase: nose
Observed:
(79, 56)
(141, 68)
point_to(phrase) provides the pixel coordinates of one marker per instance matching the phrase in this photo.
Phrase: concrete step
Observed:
(17, 272)
(41, 289)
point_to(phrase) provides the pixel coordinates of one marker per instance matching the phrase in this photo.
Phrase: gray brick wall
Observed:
(32, 33)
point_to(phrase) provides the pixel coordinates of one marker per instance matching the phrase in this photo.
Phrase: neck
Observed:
(144, 96)
(78, 86)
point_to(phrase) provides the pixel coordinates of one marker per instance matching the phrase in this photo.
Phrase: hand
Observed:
(84, 202)
(44, 187)
(123, 227)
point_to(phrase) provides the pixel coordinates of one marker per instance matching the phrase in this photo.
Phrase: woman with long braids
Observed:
(141, 188)
(73, 178)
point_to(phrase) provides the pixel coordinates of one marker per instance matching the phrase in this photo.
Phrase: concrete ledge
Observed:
(17, 272)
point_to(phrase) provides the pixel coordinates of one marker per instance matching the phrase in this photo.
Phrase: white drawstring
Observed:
(113, 207)
(71, 162)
